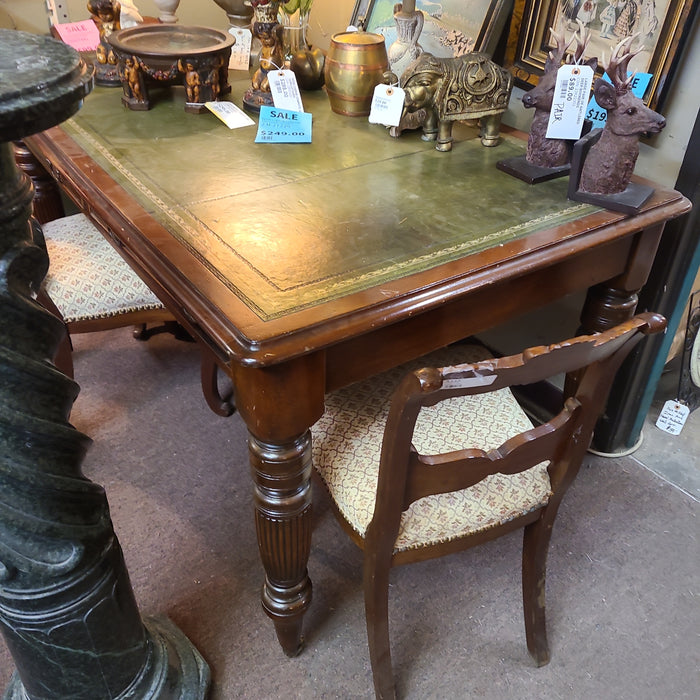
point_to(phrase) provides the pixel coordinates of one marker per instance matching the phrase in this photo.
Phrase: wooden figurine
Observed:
(267, 29)
(608, 166)
(106, 15)
(542, 151)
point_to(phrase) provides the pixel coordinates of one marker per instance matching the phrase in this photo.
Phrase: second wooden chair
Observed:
(427, 462)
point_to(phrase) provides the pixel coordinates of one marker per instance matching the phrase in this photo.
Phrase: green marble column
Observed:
(67, 610)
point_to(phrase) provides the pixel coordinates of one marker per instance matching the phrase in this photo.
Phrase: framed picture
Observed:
(451, 27)
(662, 26)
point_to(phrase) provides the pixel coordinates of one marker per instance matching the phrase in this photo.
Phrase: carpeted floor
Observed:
(623, 599)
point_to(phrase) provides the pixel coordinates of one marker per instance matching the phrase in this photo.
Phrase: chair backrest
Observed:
(405, 475)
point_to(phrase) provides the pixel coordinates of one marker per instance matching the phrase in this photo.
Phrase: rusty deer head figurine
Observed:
(541, 151)
(610, 162)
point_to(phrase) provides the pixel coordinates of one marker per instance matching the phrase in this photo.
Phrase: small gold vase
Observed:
(355, 64)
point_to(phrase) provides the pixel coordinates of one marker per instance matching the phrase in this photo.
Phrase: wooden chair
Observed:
(429, 462)
(91, 288)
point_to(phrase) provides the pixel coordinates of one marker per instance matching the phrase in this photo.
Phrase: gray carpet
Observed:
(623, 601)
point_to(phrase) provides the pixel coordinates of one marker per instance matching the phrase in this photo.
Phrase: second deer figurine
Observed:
(609, 165)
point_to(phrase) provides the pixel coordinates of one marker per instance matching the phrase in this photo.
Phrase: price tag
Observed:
(283, 126)
(598, 115)
(240, 51)
(387, 105)
(672, 417)
(82, 36)
(571, 95)
(285, 91)
(232, 116)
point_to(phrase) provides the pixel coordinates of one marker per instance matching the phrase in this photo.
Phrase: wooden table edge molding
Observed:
(256, 342)
(283, 367)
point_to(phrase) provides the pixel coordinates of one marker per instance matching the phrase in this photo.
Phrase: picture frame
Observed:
(451, 28)
(664, 26)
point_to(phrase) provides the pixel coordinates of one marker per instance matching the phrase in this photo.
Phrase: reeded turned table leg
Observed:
(279, 403)
(283, 524)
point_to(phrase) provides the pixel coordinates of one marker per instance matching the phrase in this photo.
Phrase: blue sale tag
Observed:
(598, 115)
(283, 126)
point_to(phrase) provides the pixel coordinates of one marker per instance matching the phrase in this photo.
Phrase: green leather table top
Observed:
(287, 226)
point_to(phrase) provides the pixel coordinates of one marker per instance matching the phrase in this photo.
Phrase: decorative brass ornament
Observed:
(447, 89)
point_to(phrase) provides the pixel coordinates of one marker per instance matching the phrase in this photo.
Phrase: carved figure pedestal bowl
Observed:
(196, 57)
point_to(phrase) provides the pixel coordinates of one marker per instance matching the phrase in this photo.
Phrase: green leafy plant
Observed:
(291, 6)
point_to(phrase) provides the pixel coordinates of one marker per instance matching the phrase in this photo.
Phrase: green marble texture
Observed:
(67, 609)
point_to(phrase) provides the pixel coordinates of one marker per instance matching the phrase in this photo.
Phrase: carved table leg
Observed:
(279, 404)
(67, 610)
(606, 307)
(283, 525)
(614, 302)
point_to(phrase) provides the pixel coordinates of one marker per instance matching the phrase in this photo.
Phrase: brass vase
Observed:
(355, 64)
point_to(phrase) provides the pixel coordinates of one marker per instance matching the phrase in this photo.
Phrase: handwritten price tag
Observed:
(672, 417)
(387, 105)
(283, 126)
(285, 91)
(232, 116)
(571, 95)
(240, 51)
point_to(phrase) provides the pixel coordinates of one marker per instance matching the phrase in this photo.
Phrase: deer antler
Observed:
(617, 66)
(556, 55)
(582, 36)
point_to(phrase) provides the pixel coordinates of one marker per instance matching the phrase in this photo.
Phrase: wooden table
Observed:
(306, 267)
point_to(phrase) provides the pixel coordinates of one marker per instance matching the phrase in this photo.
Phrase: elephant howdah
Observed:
(442, 90)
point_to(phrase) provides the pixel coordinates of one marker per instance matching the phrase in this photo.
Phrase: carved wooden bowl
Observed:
(170, 53)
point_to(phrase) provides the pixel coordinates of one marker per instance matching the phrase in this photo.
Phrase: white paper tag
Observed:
(285, 91)
(468, 382)
(571, 95)
(672, 417)
(232, 116)
(387, 105)
(240, 51)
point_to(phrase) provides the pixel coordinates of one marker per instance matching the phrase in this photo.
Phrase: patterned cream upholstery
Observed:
(87, 278)
(347, 443)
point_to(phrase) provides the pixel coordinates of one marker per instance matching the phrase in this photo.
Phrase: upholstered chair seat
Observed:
(348, 441)
(92, 288)
(87, 279)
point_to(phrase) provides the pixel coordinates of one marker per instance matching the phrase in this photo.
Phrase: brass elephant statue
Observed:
(439, 91)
